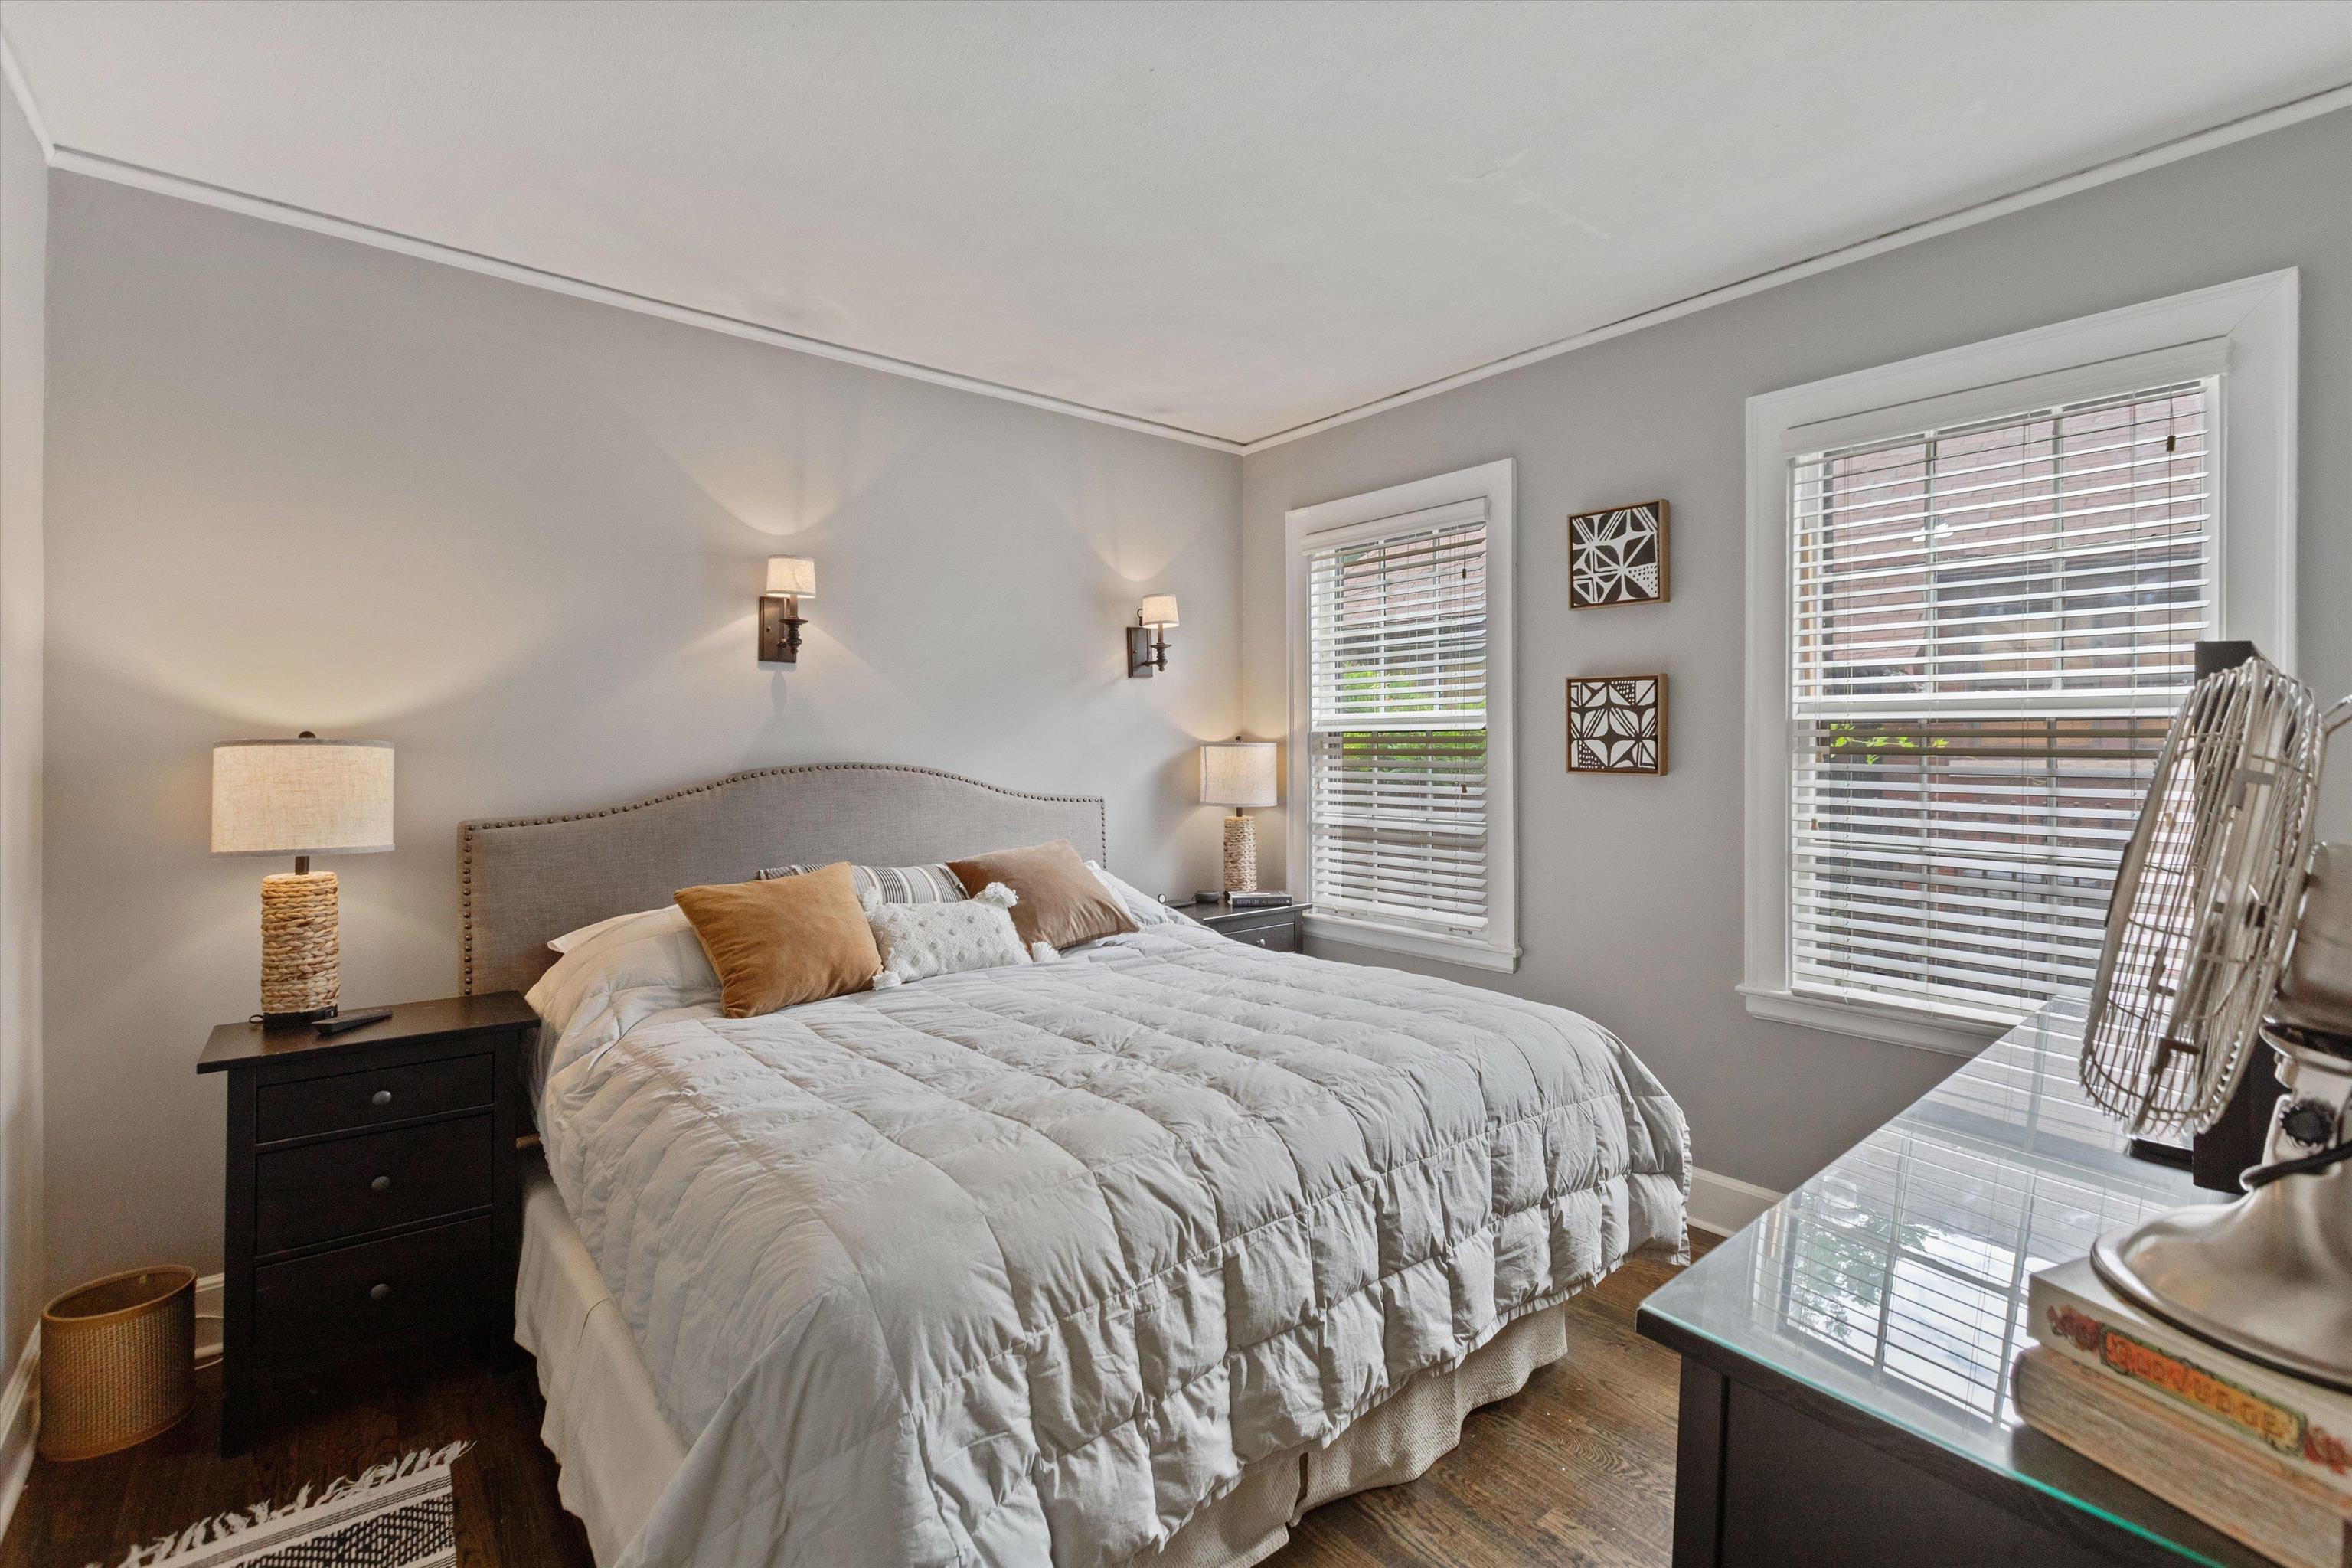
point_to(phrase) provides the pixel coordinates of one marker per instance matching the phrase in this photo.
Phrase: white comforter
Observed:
(1026, 1264)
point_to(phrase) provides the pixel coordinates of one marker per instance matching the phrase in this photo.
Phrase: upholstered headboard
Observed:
(525, 880)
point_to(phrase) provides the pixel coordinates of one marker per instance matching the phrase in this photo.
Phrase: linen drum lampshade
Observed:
(1158, 610)
(792, 574)
(300, 797)
(1238, 773)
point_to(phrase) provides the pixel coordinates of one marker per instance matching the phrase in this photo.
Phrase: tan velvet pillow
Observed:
(1062, 902)
(795, 939)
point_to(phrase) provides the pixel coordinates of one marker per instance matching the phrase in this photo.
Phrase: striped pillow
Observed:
(892, 884)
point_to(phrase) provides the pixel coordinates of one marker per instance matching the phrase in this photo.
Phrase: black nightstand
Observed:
(374, 1196)
(1274, 927)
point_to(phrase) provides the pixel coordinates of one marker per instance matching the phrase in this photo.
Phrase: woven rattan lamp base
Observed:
(301, 951)
(1241, 854)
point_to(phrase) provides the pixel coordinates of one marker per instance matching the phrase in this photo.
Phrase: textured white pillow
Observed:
(918, 940)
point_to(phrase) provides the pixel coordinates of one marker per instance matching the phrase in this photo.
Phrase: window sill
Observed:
(1417, 943)
(1897, 1026)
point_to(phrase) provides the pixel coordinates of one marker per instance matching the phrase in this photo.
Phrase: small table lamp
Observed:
(300, 797)
(1238, 773)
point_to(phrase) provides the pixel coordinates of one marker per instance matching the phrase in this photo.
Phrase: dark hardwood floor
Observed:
(1578, 1469)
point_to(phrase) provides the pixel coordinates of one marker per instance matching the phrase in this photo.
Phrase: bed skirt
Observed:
(617, 1453)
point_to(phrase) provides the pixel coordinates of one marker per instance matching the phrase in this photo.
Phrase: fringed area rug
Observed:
(400, 1514)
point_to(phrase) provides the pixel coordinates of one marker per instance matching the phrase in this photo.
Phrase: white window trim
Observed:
(2245, 331)
(1495, 484)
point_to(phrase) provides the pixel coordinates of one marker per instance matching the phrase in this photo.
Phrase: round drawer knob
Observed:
(1260, 941)
(381, 1097)
(378, 1292)
(382, 1183)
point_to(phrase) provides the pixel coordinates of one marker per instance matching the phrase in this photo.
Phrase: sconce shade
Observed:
(1158, 610)
(1238, 774)
(792, 574)
(301, 797)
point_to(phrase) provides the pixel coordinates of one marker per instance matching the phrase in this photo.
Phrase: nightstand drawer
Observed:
(353, 1185)
(350, 1101)
(360, 1293)
(1279, 933)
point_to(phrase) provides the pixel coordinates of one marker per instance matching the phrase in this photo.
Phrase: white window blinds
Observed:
(1397, 811)
(1992, 626)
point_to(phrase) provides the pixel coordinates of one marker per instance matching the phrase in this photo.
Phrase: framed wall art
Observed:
(1618, 556)
(1617, 724)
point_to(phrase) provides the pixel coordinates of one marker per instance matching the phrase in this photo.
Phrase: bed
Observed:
(1128, 1258)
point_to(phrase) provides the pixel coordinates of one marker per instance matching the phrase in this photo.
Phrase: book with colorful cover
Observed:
(2243, 1489)
(2306, 1425)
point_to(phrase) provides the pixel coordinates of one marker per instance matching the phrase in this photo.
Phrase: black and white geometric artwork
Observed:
(1617, 724)
(1618, 557)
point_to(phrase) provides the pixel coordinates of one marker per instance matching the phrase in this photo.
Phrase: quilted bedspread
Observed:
(1025, 1264)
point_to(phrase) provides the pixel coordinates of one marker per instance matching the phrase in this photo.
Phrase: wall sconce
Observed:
(1147, 653)
(790, 580)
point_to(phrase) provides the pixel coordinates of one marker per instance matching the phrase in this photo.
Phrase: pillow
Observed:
(783, 941)
(1062, 903)
(657, 949)
(668, 916)
(932, 884)
(1140, 906)
(947, 937)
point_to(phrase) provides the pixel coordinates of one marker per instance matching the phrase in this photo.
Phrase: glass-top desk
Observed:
(1846, 1358)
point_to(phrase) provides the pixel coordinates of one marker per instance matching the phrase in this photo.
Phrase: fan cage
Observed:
(2204, 903)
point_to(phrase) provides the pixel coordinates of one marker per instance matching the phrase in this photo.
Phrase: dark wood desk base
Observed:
(1770, 1471)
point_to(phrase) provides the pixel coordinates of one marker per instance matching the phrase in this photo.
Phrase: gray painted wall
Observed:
(23, 271)
(297, 482)
(1631, 893)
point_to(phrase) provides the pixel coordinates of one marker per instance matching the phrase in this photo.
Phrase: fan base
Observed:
(2269, 1276)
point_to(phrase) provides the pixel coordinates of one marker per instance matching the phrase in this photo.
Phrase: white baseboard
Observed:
(20, 1420)
(208, 1319)
(1722, 1205)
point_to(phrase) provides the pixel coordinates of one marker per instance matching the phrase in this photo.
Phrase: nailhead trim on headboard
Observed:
(466, 830)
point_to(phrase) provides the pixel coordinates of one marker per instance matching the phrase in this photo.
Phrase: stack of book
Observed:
(2258, 1454)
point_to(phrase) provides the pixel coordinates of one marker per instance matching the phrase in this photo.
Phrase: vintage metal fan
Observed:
(2216, 883)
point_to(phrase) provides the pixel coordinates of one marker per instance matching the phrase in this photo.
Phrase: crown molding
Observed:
(15, 76)
(97, 165)
(79, 161)
(2188, 146)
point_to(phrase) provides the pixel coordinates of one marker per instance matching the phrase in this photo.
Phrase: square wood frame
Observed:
(1665, 585)
(1576, 680)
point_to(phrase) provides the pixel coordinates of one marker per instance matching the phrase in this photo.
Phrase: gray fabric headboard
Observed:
(525, 880)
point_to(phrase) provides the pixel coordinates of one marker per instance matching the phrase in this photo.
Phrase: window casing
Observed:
(1976, 584)
(1400, 827)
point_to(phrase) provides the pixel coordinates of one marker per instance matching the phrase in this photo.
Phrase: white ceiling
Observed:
(1230, 219)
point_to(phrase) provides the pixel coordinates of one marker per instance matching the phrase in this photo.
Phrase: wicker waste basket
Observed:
(118, 1361)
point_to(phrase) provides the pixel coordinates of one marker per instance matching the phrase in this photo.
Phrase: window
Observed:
(1993, 625)
(1986, 608)
(1400, 831)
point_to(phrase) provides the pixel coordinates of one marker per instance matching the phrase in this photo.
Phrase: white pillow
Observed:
(669, 914)
(654, 947)
(1140, 906)
(918, 940)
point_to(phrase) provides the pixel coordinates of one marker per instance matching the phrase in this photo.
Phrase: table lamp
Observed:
(300, 797)
(1238, 773)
